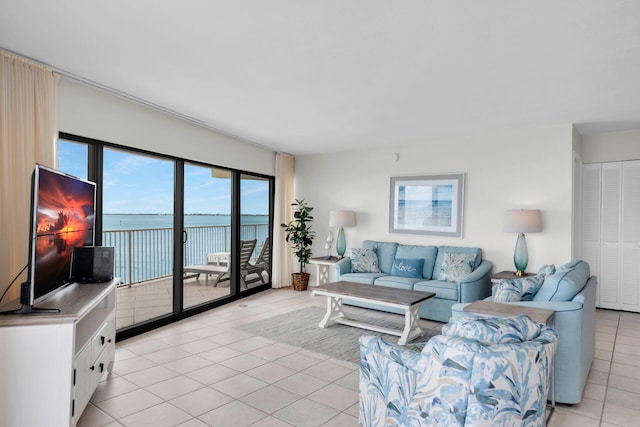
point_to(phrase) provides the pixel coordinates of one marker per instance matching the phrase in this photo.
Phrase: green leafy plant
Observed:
(299, 234)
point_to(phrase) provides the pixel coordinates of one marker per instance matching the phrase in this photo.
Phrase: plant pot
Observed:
(300, 281)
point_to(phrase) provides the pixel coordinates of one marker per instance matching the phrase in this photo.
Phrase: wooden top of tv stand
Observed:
(73, 301)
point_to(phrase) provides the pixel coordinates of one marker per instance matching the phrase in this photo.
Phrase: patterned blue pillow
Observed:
(547, 270)
(364, 261)
(408, 267)
(455, 266)
(523, 289)
(506, 291)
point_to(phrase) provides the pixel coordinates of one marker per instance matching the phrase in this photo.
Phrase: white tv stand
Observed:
(50, 364)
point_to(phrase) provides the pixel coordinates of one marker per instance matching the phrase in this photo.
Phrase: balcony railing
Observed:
(147, 254)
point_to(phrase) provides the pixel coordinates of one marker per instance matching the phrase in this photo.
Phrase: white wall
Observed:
(93, 113)
(611, 146)
(510, 170)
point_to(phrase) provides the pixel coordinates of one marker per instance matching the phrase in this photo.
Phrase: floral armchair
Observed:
(479, 372)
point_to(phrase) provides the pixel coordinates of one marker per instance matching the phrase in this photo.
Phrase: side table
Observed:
(495, 278)
(323, 268)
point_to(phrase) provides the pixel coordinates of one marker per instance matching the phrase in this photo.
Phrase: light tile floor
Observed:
(201, 371)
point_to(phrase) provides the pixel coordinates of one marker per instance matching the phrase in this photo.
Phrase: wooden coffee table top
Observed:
(540, 315)
(377, 293)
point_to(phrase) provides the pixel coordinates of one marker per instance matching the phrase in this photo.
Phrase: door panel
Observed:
(138, 194)
(207, 231)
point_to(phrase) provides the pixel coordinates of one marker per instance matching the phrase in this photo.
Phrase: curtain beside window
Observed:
(282, 257)
(28, 134)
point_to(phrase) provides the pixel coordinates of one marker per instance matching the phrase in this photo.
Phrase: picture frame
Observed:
(427, 204)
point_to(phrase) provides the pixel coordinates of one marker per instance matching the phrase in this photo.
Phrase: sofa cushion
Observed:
(366, 278)
(408, 267)
(521, 289)
(386, 252)
(397, 282)
(364, 261)
(443, 290)
(428, 253)
(455, 266)
(565, 283)
(494, 330)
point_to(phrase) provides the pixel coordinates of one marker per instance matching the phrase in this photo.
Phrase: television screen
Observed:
(63, 217)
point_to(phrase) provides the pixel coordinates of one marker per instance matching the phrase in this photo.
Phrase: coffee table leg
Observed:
(334, 311)
(412, 327)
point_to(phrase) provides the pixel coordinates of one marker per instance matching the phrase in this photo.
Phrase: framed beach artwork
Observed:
(427, 204)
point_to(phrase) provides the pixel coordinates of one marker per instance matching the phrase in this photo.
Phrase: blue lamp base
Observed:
(521, 255)
(341, 243)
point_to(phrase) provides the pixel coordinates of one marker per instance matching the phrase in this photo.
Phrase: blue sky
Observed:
(134, 183)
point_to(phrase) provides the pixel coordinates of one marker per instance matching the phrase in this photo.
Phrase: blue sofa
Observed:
(575, 317)
(474, 286)
(479, 372)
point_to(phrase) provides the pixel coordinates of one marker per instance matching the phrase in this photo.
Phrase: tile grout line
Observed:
(613, 349)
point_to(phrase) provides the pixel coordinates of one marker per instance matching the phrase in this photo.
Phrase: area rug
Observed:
(300, 328)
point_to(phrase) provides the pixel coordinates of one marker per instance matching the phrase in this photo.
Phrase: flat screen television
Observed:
(62, 217)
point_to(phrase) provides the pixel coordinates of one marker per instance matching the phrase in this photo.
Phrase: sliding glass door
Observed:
(207, 234)
(137, 220)
(254, 226)
(187, 236)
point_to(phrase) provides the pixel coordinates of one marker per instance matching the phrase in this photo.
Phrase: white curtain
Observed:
(28, 134)
(282, 258)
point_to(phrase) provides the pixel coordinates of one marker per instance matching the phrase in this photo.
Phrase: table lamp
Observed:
(341, 219)
(522, 221)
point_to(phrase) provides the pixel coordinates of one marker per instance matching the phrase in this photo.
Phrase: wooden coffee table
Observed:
(407, 300)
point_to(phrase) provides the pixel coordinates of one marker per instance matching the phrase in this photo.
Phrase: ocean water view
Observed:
(144, 242)
(112, 222)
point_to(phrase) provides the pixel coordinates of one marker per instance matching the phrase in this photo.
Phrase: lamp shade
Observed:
(342, 219)
(522, 221)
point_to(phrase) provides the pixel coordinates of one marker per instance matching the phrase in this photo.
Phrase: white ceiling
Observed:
(312, 76)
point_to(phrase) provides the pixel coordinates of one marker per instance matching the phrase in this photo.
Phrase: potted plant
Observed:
(300, 237)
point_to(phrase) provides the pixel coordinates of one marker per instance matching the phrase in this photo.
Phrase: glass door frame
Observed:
(96, 172)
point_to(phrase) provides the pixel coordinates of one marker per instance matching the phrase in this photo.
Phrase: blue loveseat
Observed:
(571, 292)
(473, 286)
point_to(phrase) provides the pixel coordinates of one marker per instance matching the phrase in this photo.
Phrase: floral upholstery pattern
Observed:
(455, 266)
(364, 261)
(494, 330)
(460, 379)
(523, 289)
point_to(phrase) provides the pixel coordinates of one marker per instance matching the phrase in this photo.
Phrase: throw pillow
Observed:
(506, 291)
(364, 261)
(455, 266)
(565, 283)
(523, 289)
(547, 270)
(407, 267)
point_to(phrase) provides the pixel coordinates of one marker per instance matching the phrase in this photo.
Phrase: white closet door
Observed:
(630, 259)
(609, 295)
(590, 251)
(576, 229)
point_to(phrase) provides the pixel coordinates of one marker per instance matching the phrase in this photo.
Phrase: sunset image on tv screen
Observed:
(65, 206)
(64, 219)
